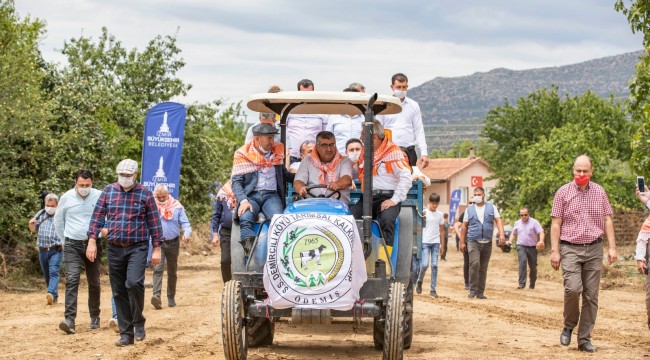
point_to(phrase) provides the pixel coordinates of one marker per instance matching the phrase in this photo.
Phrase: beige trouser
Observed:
(581, 268)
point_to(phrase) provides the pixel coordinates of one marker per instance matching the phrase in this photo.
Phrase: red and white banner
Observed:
(477, 181)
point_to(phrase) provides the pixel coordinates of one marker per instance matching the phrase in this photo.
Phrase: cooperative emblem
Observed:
(309, 259)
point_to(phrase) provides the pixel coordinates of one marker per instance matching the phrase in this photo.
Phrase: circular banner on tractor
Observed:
(310, 261)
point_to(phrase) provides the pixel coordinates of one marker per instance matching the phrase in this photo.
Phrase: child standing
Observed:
(431, 245)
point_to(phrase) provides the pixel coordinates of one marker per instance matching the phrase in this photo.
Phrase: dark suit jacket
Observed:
(244, 185)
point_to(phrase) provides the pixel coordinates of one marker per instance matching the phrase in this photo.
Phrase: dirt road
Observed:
(509, 324)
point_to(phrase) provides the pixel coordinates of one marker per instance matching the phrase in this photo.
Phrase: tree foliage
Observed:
(537, 141)
(90, 112)
(24, 119)
(638, 15)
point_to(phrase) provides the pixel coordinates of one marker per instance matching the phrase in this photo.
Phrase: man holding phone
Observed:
(642, 251)
(581, 215)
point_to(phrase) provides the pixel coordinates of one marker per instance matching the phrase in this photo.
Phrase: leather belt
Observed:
(171, 241)
(84, 241)
(383, 192)
(124, 244)
(55, 247)
(599, 240)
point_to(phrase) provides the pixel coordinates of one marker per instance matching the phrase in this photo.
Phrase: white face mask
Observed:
(354, 156)
(50, 210)
(83, 191)
(399, 94)
(477, 199)
(125, 182)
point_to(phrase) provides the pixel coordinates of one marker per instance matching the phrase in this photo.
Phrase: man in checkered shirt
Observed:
(127, 209)
(581, 215)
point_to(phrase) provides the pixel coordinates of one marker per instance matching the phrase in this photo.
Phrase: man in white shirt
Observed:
(431, 247)
(478, 228)
(391, 181)
(406, 126)
(301, 127)
(305, 150)
(345, 127)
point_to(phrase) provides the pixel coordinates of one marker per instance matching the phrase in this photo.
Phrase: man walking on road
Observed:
(581, 215)
(528, 231)
(478, 228)
(71, 223)
(129, 212)
(172, 216)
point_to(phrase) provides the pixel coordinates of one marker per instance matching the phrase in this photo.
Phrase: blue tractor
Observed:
(386, 296)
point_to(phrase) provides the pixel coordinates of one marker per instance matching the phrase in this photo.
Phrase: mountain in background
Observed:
(453, 108)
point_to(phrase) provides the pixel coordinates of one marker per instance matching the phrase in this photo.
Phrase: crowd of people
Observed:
(326, 151)
(130, 219)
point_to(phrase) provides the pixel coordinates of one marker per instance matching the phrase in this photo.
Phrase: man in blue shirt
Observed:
(172, 215)
(71, 222)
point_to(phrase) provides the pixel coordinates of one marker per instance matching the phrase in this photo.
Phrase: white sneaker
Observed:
(112, 324)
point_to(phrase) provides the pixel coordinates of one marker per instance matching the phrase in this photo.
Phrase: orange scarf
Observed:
(327, 172)
(226, 194)
(167, 209)
(388, 154)
(248, 159)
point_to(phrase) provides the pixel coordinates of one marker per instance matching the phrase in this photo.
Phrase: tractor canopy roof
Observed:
(323, 102)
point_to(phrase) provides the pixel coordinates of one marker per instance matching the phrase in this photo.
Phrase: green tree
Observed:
(538, 140)
(211, 137)
(24, 118)
(638, 15)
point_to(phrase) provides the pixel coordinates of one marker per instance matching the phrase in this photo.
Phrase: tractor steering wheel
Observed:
(321, 186)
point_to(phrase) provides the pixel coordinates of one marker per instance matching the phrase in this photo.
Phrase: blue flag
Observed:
(164, 129)
(453, 206)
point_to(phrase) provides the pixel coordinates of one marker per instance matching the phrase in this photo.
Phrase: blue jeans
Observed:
(51, 266)
(267, 201)
(114, 314)
(429, 251)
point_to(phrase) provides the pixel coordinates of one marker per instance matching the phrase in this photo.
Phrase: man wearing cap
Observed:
(258, 180)
(406, 126)
(71, 224)
(325, 166)
(301, 127)
(128, 211)
(265, 118)
(172, 218)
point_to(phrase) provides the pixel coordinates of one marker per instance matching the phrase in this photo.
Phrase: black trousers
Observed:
(226, 272)
(74, 256)
(466, 265)
(445, 240)
(126, 270)
(386, 218)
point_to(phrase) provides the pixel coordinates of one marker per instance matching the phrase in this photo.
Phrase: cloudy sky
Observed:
(236, 48)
